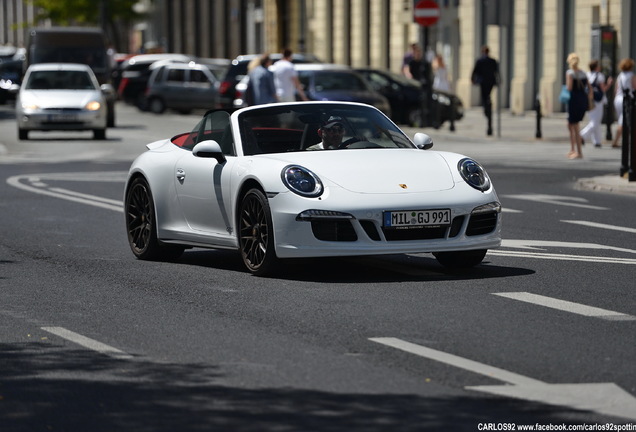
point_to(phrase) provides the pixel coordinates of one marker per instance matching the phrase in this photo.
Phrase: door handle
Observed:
(180, 175)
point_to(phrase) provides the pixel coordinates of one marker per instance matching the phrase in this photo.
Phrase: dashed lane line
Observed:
(86, 342)
(567, 306)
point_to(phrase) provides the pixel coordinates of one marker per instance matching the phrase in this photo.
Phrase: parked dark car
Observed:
(405, 97)
(10, 79)
(181, 86)
(133, 74)
(328, 82)
(238, 69)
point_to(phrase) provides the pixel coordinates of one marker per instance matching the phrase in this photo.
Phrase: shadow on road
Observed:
(384, 268)
(51, 387)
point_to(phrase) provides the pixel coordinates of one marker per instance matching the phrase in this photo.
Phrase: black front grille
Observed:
(370, 230)
(333, 230)
(396, 234)
(482, 223)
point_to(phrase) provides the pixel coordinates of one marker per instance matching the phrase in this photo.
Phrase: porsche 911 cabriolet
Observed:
(308, 179)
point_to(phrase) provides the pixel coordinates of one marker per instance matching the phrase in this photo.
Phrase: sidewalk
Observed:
(514, 143)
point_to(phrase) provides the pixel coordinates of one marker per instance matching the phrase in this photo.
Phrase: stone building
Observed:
(530, 38)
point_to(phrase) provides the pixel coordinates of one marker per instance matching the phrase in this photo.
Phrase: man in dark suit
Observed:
(486, 75)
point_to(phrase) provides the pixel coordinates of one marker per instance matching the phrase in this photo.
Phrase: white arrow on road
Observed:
(603, 398)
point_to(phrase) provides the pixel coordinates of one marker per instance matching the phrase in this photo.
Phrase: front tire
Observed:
(99, 134)
(256, 233)
(141, 225)
(23, 134)
(461, 259)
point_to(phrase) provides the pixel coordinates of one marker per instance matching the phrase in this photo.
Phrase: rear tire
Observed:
(156, 105)
(141, 225)
(461, 259)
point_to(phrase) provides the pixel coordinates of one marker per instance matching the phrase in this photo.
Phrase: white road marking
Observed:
(602, 226)
(456, 361)
(561, 257)
(567, 306)
(604, 398)
(557, 200)
(87, 342)
(36, 185)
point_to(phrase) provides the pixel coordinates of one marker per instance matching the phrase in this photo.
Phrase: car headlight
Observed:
(302, 181)
(29, 106)
(474, 174)
(93, 106)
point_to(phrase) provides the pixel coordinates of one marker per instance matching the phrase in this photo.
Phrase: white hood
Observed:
(61, 98)
(379, 170)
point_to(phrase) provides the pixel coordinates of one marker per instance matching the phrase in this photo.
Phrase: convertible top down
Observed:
(253, 181)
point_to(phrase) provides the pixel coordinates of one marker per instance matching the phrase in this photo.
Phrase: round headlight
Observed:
(301, 181)
(474, 174)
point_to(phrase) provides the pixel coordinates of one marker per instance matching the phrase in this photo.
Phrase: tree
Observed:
(111, 15)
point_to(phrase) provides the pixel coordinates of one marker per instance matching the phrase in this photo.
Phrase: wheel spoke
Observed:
(254, 232)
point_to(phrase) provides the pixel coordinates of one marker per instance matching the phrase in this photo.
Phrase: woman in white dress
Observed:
(440, 79)
(625, 81)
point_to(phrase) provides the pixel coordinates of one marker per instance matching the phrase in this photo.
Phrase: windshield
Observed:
(300, 127)
(60, 80)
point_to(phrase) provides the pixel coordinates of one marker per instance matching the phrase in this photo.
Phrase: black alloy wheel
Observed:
(256, 235)
(141, 225)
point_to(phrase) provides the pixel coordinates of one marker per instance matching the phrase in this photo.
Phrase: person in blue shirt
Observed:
(261, 88)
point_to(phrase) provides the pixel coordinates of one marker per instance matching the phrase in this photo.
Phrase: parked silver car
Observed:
(181, 86)
(61, 96)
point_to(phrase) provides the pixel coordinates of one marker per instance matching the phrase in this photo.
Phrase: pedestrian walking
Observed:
(593, 130)
(440, 74)
(580, 97)
(486, 76)
(408, 57)
(625, 82)
(286, 79)
(260, 87)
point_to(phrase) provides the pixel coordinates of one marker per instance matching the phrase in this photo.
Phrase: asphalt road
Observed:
(91, 339)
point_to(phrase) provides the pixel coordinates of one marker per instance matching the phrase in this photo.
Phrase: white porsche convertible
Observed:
(308, 179)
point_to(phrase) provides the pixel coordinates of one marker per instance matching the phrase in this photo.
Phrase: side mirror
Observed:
(209, 149)
(423, 141)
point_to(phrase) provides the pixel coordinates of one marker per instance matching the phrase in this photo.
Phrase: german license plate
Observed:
(417, 218)
(62, 118)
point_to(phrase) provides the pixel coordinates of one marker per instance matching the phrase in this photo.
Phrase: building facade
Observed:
(530, 38)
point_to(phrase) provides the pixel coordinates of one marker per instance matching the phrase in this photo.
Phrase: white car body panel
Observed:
(196, 198)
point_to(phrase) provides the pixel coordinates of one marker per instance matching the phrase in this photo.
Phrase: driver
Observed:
(331, 132)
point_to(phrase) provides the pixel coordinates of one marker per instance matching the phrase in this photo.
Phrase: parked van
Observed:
(181, 86)
(83, 45)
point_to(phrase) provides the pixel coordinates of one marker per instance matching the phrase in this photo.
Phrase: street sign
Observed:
(426, 13)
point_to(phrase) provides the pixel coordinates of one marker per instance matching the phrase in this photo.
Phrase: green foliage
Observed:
(84, 12)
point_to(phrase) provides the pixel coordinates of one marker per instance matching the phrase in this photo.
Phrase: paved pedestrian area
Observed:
(515, 143)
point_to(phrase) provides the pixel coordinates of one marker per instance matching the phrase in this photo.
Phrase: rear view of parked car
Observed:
(182, 87)
(61, 96)
(132, 75)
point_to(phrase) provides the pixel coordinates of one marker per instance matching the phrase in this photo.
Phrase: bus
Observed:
(85, 45)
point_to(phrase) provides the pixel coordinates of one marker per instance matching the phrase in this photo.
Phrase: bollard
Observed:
(627, 103)
(631, 172)
(628, 163)
(537, 106)
(452, 114)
